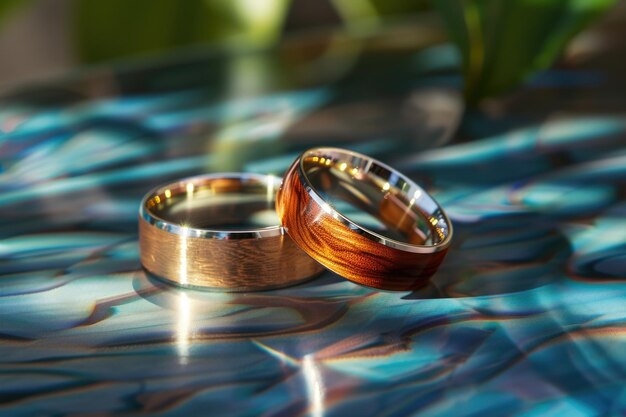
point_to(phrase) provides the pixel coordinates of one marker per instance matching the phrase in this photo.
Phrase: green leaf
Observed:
(504, 42)
(111, 29)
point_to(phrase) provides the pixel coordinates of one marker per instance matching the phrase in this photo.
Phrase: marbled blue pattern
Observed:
(526, 317)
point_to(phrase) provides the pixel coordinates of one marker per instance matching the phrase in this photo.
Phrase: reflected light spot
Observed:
(190, 188)
(343, 166)
(262, 11)
(183, 328)
(270, 190)
(168, 194)
(315, 388)
(386, 186)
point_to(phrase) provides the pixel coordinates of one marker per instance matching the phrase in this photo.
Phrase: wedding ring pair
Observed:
(334, 209)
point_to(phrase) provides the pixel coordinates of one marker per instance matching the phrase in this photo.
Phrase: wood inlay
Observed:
(344, 250)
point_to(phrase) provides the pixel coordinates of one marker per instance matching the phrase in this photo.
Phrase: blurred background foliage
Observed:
(501, 43)
(150, 26)
(6, 6)
(504, 42)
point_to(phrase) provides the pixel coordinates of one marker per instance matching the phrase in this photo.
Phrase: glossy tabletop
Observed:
(526, 316)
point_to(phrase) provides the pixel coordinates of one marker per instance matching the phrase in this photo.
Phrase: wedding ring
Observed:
(362, 219)
(220, 232)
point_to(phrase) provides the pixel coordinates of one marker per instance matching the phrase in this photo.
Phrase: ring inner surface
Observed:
(224, 204)
(376, 198)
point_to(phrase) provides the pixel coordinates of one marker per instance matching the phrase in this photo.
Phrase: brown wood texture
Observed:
(228, 265)
(344, 251)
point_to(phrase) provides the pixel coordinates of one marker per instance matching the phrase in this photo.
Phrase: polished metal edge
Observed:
(363, 231)
(181, 230)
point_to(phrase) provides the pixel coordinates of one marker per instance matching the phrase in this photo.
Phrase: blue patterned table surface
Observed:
(526, 317)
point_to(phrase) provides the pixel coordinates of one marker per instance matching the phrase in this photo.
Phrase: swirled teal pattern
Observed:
(526, 317)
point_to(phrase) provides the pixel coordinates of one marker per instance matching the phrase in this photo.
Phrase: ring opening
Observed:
(224, 203)
(375, 197)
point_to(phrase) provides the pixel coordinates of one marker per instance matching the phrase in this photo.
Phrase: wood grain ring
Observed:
(349, 249)
(227, 260)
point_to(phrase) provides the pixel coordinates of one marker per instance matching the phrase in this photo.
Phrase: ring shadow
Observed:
(500, 256)
(214, 314)
(495, 256)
